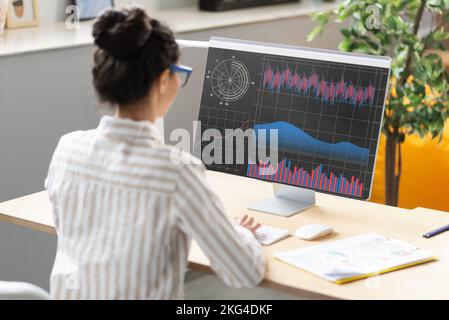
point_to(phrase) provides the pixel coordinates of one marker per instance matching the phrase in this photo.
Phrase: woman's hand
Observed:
(248, 223)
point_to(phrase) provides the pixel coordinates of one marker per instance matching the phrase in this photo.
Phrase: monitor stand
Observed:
(287, 201)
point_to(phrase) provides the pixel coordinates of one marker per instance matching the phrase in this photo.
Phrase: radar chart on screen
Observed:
(230, 80)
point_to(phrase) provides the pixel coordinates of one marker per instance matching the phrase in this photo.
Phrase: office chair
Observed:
(21, 291)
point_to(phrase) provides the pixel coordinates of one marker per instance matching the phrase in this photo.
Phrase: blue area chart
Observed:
(292, 138)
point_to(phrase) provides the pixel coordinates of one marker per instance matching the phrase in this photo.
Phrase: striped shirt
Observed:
(126, 208)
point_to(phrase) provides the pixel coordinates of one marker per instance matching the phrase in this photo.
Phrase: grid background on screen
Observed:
(328, 116)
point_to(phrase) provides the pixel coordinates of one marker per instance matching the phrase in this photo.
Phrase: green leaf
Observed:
(361, 47)
(345, 45)
(321, 17)
(345, 32)
(316, 31)
(440, 35)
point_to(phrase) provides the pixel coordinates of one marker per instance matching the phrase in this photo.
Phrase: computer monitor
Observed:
(319, 110)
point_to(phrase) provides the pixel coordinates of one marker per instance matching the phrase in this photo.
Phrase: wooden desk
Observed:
(347, 217)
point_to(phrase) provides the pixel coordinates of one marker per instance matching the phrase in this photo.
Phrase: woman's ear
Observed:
(163, 81)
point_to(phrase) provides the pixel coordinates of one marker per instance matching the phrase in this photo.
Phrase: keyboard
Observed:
(267, 235)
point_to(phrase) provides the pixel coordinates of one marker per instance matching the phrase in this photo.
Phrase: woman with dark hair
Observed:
(125, 210)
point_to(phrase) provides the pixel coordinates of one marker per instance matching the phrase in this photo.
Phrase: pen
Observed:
(436, 232)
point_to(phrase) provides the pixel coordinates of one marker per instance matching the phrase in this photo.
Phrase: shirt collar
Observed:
(127, 128)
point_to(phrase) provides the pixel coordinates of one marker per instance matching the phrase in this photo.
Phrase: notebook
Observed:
(355, 258)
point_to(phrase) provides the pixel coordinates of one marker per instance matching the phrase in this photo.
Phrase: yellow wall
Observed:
(425, 173)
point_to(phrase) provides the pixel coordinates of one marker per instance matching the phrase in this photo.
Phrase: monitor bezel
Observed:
(315, 54)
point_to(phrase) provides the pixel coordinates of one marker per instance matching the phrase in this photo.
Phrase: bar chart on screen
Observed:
(317, 179)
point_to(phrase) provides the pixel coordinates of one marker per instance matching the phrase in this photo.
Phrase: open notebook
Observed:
(356, 257)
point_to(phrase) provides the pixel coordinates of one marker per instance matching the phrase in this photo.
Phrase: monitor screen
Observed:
(318, 111)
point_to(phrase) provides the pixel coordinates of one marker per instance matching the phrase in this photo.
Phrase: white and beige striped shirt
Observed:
(125, 214)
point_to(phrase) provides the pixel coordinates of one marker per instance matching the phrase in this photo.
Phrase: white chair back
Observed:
(21, 291)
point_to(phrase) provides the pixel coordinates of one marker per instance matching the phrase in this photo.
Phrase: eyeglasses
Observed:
(183, 72)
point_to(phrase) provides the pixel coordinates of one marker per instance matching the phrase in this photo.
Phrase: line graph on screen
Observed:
(312, 84)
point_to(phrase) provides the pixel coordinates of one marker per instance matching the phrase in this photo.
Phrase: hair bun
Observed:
(122, 33)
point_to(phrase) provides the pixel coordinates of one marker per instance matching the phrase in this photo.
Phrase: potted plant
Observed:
(417, 101)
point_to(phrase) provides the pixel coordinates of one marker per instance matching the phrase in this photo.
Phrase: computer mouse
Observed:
(313, 231)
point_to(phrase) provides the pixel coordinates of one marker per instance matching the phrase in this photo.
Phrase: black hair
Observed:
(133, 50)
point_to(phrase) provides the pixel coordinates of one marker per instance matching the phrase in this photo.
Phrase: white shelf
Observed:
(181, 20)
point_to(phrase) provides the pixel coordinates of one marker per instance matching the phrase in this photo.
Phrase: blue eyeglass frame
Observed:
(176, 68)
